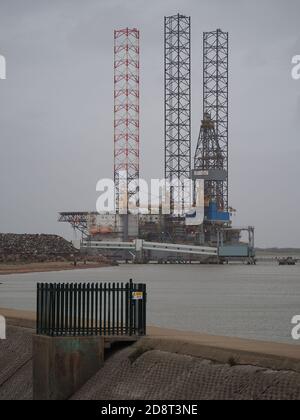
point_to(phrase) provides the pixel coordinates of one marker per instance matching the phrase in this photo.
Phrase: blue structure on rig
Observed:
(212, 214)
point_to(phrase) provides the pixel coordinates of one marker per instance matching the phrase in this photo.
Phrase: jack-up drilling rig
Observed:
(211, 227)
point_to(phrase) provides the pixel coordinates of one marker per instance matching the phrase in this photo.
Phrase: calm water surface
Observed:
(256, 302)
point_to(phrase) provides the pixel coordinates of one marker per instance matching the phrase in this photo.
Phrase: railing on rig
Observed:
(91, 309)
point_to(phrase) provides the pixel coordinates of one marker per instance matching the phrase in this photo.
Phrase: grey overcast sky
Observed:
(56, 119)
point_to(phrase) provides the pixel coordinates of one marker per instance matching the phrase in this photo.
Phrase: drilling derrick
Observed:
(215, 97)
(126, 117)
(208, 156)
(177, 103)
(211, 156)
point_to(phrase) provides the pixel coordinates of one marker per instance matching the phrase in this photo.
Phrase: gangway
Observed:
(139, 245)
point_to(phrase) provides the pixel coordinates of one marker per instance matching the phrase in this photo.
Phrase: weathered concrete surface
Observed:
(132, 375)
(269, 355)
(16, 364)
(167, 364)
(26, 319)
(61, 365)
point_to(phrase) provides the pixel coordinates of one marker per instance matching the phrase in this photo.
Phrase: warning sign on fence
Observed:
(137, 295)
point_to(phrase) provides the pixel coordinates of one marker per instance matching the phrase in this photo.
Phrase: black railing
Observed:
(90, 309)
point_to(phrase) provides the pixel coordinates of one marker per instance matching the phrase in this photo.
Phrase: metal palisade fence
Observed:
(91, 309)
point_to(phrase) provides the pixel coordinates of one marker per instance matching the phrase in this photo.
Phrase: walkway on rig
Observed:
(139, 245)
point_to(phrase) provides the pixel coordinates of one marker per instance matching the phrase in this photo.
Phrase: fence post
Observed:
(144, 308)
(141, 328)
(38, 308)
(130, 307)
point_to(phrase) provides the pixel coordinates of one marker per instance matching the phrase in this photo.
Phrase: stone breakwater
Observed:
(34, 248)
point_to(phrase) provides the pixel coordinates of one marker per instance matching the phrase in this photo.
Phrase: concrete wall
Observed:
(61, 365)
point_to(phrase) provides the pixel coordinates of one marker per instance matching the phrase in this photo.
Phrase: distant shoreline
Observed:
(6, 269)
(279, 251)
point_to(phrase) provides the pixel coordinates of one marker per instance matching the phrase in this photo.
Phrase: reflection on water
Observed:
(246, 301)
